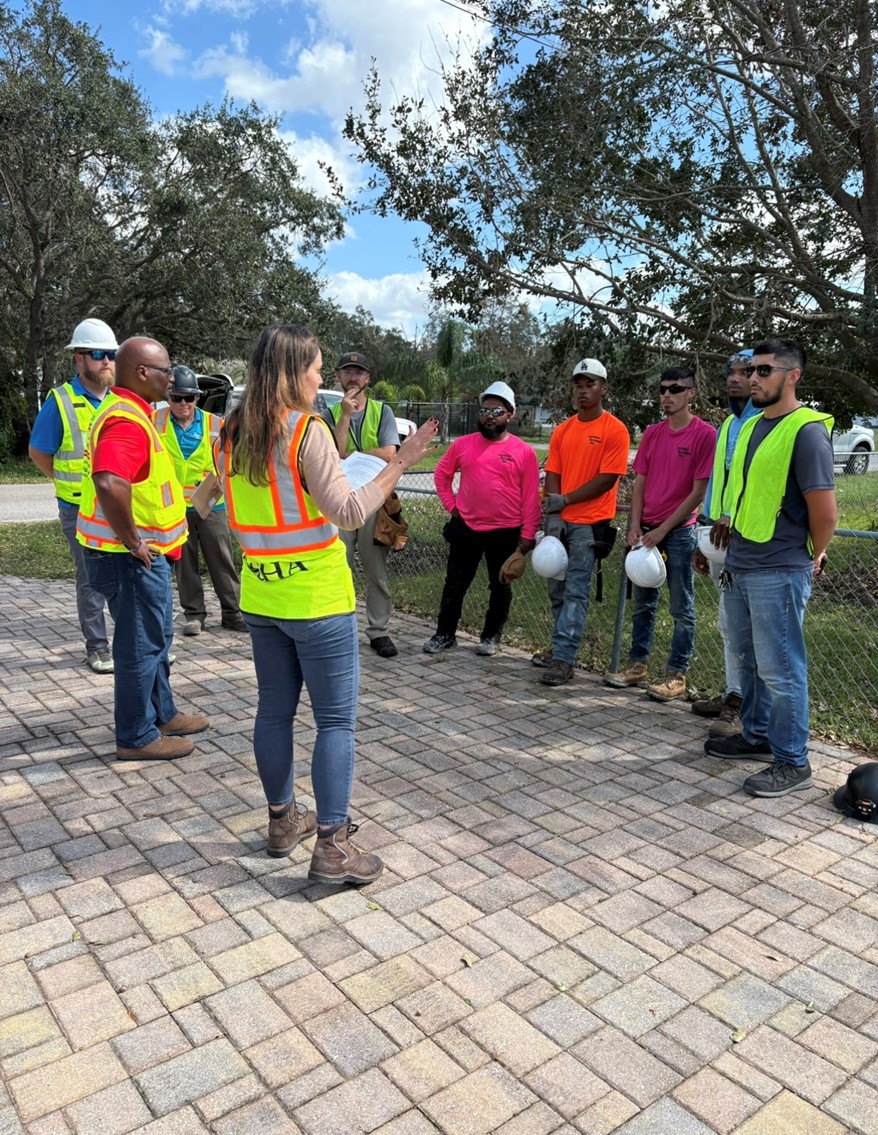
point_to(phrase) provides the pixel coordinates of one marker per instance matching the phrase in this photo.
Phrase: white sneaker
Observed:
(101, 661)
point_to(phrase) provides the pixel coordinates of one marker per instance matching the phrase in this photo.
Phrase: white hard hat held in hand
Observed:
(645, 567)
(549, 558)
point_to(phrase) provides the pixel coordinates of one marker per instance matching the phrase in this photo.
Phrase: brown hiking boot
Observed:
(728, 723)
(557, 673)
(161, 749)
(183, 723)
(673, 687)
(287, 831)
(708, 707)
(634, 674)
(336, 860)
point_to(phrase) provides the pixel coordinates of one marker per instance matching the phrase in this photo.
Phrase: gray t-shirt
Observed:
(810, 470)
(388, 434)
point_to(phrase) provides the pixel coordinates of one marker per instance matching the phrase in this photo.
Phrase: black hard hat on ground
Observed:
(184, 381)
(858, 796)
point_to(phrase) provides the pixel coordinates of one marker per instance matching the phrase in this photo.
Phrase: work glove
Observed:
(554, 502)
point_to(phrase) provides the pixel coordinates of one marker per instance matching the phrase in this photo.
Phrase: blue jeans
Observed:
(678, 547)
(89, 603)
(322, 653)
(730, 659)
(569, 596)
(140, 602)
(765, 610)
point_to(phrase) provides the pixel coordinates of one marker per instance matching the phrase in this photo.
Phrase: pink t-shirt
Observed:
(499, 483)
(670, 461)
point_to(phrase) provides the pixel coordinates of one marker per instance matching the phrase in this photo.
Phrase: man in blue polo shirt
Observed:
(57, 445)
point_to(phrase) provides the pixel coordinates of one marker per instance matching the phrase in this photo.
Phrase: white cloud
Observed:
(163, 53)
(240, 9)
(309, 152)
(399, 300)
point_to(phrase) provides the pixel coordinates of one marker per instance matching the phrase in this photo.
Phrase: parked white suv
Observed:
(852, 450)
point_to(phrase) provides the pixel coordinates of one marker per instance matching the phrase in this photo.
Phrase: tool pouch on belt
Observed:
(391, 530)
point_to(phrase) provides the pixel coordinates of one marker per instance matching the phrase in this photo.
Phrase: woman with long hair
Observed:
(286, 496)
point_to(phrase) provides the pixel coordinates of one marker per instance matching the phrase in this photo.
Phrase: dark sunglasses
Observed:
(181, 397)
(763, 370)
(492, 412)
(674, 388)
(99, 356)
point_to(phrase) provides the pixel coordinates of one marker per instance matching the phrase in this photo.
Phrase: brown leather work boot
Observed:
(183, 723)
(287, 831)
(336, 860)
(161, 749)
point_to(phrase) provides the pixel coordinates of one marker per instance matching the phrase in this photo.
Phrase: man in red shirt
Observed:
(132, 522)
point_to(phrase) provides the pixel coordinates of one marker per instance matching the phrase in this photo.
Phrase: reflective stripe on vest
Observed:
(278, 520)
(191, 470)
(77, 414)
(157, 503)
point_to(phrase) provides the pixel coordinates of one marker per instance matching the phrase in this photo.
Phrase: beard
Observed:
(490, 431)
(767, 398)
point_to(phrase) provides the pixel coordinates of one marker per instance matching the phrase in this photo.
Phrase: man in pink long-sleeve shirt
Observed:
(496, 510)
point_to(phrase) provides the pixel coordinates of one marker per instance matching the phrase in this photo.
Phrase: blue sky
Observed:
(305, 60)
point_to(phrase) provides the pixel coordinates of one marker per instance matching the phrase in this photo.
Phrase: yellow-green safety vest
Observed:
(157, 503)
(77, 414)
(190, 470)
(368, 427)
(755, 500)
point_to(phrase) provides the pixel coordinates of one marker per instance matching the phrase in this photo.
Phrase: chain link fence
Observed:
(841, 625)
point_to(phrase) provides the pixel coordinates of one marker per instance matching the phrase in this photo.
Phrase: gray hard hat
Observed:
(184, 381)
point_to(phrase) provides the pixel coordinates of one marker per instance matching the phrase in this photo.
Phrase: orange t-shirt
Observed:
(579, 451)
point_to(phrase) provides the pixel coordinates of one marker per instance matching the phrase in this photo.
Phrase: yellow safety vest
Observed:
(295, 566)
(157, 503)
(77, 414)
(190, 470)
(753, 514)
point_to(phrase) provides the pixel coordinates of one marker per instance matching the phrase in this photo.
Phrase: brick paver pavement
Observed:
(584, 925)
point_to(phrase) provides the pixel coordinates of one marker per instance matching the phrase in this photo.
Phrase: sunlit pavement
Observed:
(584, 925)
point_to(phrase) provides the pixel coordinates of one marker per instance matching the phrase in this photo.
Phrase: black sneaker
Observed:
(488, 646)
(439, 642)
(383, 647)
(778, 779)
(735, 748)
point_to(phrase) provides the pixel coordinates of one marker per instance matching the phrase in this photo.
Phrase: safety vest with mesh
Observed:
(77, 414)
(295, 566)
(753, 515)
(157, 503)
(719, 477)
(368, 438)
(190, 470)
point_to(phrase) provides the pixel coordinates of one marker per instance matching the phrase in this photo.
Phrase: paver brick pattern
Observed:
(584, 925)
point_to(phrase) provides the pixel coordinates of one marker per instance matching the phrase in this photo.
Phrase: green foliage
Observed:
(689, 176)
(188, 229)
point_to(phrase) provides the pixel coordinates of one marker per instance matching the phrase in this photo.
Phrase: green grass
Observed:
(19, 471)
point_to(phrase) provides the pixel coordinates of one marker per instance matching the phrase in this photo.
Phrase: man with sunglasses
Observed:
(782, 516)
(188, 433)
(132, 524)
(725, 709)
(494, 513)
(671, 469)
(57, 445)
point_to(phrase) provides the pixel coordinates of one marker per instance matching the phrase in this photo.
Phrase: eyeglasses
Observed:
(99, 356)
(493, 412)
(149, 366)
(674, 388)
(764, 370)
(181, 397)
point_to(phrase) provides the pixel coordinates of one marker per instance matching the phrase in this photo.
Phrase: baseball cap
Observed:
(354, 359)
(590, 367)
(499, 390)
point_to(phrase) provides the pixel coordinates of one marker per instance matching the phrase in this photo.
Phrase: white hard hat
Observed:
(550, 558)
(499, 390)
(92, 335)
(708, 550)
(645, 567)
